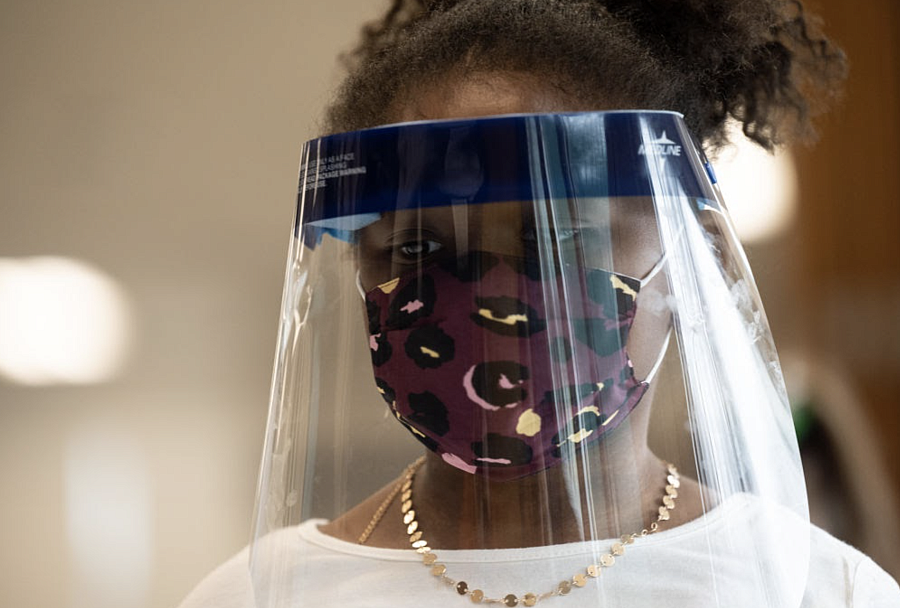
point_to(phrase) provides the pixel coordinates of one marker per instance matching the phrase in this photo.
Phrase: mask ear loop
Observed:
(659, 359)
(655, 270)
(359, 287)
(665, 347)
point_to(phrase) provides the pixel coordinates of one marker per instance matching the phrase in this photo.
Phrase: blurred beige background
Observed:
(158, 143)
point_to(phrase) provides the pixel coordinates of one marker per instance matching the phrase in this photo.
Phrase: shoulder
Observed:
(231, 584)
(844, 576)
(330, 571)
(802, 558)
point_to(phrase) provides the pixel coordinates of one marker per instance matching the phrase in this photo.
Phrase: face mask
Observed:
(477, 362)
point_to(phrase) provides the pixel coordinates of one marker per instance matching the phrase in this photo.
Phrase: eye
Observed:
(418, 249)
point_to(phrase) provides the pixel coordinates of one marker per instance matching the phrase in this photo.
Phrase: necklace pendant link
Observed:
(476, 596)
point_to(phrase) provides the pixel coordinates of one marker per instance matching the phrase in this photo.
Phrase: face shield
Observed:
(522, 359)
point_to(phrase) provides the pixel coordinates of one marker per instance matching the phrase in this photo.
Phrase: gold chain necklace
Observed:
(579, 579)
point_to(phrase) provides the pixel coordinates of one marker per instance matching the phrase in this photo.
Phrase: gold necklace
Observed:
(579, 579)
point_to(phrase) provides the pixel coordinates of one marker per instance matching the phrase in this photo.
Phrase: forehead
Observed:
(485, 94)
(548, 214)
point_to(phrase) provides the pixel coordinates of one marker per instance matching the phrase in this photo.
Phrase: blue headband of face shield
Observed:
(348, 180)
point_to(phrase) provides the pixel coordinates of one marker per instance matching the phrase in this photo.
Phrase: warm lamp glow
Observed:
(61, 322)
(760, 189)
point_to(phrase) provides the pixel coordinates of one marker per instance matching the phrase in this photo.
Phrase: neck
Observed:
(610, 488)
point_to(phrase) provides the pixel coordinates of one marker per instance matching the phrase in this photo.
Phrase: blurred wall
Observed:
(159, 142)
(831, 282)
(849, 229)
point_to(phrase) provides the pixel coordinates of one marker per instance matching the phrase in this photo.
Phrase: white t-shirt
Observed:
(717, 560)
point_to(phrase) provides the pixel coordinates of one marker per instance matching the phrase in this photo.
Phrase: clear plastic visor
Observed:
(571, 398)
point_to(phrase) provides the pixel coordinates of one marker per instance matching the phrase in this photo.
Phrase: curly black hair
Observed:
(763, 63)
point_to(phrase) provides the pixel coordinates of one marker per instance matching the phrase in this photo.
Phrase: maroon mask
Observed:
(480, 362)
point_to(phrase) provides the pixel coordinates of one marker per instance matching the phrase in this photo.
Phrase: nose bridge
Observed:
(499, 228)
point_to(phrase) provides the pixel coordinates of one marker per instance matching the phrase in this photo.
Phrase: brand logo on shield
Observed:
(661, 146)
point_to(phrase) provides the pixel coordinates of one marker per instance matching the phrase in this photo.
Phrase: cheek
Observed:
(638, 251)
(651, 323)
(635, 236)
(369, 277)
(373, 263)
(636, 248)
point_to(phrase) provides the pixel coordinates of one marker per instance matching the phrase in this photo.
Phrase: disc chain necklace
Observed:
(579, 579)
